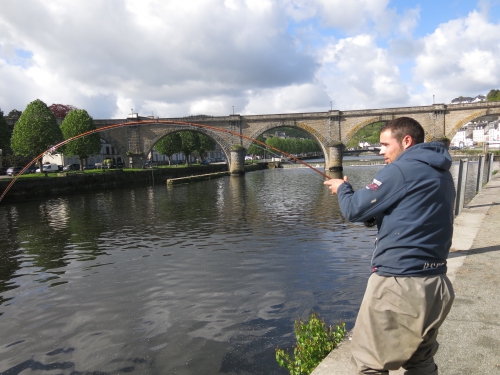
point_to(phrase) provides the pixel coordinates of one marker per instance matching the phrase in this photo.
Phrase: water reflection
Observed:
(201, 279)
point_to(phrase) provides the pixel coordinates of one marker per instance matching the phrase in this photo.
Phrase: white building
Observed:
(494, 135)
(107, 152)
(459, 140)
(479, 133)
(468, 99)
(212, 155)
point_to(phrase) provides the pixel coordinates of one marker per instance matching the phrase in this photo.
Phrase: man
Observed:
(408, 293)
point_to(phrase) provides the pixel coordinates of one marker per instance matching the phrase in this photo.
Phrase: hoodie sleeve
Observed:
(386, 189)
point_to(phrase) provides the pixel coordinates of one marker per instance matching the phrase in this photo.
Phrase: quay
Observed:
(194, 178)
(469, 340)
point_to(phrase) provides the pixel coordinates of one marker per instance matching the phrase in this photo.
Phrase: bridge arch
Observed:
(118, 146)
(137, 138)
(475, 115)
(360, 126)
(290, 124)
(163, 129)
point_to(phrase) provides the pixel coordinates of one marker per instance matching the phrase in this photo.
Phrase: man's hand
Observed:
(334, 183)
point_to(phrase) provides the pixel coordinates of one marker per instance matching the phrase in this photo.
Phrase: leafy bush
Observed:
(237, 147)
(314, 342)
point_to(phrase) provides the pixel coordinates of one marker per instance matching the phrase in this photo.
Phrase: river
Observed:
(206, 278)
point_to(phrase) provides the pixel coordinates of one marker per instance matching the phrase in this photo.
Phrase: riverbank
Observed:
(470, 336)
(66, 183)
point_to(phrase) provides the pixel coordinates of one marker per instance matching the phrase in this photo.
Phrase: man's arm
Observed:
(334, 183)
(386, 188)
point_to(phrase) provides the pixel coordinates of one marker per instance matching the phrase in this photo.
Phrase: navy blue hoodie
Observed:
(412, 200)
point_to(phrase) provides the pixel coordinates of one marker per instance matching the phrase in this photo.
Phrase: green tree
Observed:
(35, 131)
(296, 146)
(493, 96)
(169, 145)
(206, 144)
(76, 122)
(5, 134)
(312, 146)
(256, 148)
(285, 145)
(276, 143)
(190, 143)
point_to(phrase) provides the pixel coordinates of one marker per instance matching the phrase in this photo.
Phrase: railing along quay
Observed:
(348, 163)
(462, 177)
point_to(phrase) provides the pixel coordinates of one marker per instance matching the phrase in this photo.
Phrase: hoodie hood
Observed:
(434, 154)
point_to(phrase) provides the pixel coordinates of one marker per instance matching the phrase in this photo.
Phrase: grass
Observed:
(100, 171)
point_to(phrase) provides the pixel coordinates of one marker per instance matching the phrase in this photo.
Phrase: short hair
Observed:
(403, 126)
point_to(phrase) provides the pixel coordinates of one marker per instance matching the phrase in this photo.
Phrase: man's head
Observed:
(398, 135)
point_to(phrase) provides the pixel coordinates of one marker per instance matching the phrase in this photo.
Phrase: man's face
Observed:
(390, 147)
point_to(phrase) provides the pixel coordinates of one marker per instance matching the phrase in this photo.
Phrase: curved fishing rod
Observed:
(113, 126)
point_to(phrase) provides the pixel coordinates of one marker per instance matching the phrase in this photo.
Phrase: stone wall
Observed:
(75, 183)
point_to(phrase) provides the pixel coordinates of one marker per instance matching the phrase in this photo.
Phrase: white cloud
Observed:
(145, 51)
(177, 58)
(409, 21)
(359, 74)
(349, 16)
(295, 98)
(459, 58)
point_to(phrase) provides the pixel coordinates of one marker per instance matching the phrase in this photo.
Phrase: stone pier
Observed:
(237, 162)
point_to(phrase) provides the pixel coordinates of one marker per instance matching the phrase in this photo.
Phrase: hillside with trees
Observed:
(370, 134)
(493, 96)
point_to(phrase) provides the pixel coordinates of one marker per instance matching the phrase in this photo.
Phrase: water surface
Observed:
(199, 279)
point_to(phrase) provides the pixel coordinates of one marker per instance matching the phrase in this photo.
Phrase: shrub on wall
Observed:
(314, 342)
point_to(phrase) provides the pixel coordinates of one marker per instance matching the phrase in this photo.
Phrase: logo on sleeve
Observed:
(374, 185)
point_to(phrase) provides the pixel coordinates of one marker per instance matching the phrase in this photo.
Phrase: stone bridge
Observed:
(331, 129)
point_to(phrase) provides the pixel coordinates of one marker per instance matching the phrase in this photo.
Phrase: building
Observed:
(215, 155)
(479, 132)
(468, 99)
(107, 152)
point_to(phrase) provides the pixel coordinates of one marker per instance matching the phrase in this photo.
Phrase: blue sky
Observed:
(177, 58)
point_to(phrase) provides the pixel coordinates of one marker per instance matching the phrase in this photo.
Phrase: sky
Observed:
(176, 58)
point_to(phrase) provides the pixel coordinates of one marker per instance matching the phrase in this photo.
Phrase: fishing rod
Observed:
(145, 122)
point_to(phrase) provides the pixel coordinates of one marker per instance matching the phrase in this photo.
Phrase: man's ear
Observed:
(407, 141)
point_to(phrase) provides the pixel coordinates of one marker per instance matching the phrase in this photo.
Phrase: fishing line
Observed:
(146, 122)
(275, 154)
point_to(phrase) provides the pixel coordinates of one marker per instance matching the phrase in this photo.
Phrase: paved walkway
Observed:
(470, 337)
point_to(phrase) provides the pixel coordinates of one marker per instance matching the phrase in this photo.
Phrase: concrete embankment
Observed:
(470, 337)
(194, 178)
